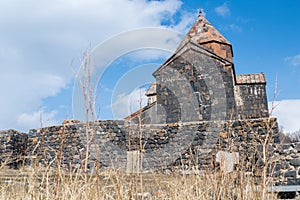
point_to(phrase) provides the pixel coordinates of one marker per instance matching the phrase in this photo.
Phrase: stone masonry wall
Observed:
(221, 49)
(285, 164)
(56, 145)
(176, 144)
(164, 146)
(13, 145)
(251, 101)
(195, 86)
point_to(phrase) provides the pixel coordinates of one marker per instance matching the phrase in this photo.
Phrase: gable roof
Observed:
(189, 45)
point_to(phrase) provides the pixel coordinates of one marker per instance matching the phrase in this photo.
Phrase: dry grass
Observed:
(51, 183)
(40, 183)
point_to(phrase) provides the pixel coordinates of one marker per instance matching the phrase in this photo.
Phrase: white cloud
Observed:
(39, 39)
(148, 55)
(37, 119)
(293, 60)
(234, 27)
(223, 10)
(288, 113)
(187, 19)
(23, 92)
(126, 104)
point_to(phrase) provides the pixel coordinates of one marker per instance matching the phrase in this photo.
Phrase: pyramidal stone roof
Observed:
(203, 32)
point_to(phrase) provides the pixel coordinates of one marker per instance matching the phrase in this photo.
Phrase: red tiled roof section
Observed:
(204, 34)
(250, 78)
(202, 31)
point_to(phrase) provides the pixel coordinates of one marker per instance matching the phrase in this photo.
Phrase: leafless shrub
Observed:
(293, 136)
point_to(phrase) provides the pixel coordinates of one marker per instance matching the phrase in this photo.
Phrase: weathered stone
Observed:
(285, 165)
(295, 162)
(297, 147)
(275, 168)
(290, 174)
(276, 139)
(294, 155)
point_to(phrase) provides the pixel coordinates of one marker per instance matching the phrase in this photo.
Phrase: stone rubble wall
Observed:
(55, 145)
(285, 164)
(251, 101)
(164, 146)
(197, 86)
(186, 102)
(13, 147)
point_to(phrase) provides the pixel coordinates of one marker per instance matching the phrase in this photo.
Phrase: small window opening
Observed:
(193, 86)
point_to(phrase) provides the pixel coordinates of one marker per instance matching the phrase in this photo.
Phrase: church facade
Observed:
(198, 83)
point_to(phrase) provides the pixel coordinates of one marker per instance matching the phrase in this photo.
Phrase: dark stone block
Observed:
(275, 174)
(291, 182)
(295, 162)
(261, 132)
(276, 167)
(276, 139)
(202, 137)
(202, 128)
(290, 174)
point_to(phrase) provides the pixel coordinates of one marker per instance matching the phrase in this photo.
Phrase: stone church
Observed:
(198, 83)
(198, 110)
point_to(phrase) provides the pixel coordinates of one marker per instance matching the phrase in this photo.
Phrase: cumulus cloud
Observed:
(39, 40)
(223, 10)
(126, 104)
(288, 114)
(22, 92)
(187, 19)
(149, 55)
(293, 60)
(36, 119)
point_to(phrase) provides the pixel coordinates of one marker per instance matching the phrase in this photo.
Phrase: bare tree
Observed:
(87, 85)
(294, 136)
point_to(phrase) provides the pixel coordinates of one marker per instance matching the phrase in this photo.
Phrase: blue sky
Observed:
(41, 44)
